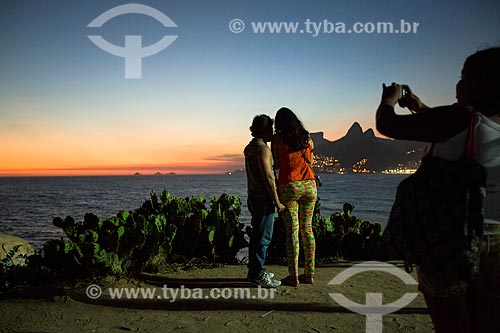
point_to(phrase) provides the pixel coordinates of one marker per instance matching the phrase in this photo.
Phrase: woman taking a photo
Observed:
(457, 305)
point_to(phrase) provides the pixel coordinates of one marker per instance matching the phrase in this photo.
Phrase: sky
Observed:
(67, 107)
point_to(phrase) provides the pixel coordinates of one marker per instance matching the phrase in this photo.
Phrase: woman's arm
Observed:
(311, 144)
(428, 124)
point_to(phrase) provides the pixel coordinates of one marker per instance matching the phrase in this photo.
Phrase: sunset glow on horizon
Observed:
(36, 157)
(67, 109)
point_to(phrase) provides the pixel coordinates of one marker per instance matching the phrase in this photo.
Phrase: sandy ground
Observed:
(307, 308)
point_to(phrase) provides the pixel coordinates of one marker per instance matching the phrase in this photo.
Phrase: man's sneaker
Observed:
(271, 275)
(266, 281)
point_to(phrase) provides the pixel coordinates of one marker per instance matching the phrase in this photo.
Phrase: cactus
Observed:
(341, 235)
(151, 235)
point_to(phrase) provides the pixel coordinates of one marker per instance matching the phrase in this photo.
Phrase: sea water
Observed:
(29, 204)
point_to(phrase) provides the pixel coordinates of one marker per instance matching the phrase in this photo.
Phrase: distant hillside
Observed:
(319, 139)
(355, 145)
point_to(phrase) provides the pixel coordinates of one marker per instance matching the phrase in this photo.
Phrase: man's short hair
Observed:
(261, 124)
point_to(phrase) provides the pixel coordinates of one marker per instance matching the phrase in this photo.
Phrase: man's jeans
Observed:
(262, 211)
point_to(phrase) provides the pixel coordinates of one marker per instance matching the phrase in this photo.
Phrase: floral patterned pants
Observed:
(299, 198)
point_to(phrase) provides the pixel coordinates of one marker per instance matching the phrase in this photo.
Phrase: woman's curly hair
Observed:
(291, 129)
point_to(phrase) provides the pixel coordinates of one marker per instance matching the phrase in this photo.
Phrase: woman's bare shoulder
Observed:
(311, 143)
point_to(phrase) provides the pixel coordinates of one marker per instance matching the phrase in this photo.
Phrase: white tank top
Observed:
(487, 149)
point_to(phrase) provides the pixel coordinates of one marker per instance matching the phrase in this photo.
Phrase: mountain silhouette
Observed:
(380, 153)
(318, 139)
(355, 130)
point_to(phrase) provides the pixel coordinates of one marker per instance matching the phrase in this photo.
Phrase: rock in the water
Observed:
(15, 248)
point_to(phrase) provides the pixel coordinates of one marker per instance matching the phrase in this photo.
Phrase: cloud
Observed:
(232, 158)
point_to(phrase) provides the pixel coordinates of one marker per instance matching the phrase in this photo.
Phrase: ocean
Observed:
(29, 204)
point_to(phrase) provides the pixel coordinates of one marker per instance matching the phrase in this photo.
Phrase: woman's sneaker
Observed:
(266, 281)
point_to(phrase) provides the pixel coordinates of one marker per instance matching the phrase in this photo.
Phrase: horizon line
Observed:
(122, 171)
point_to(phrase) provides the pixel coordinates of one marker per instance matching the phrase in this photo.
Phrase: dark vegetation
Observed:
(169, 231)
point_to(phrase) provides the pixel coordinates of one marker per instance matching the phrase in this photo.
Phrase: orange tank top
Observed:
(292, 165)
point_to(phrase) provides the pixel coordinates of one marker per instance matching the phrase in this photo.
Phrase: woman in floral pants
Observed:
(292, 153)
